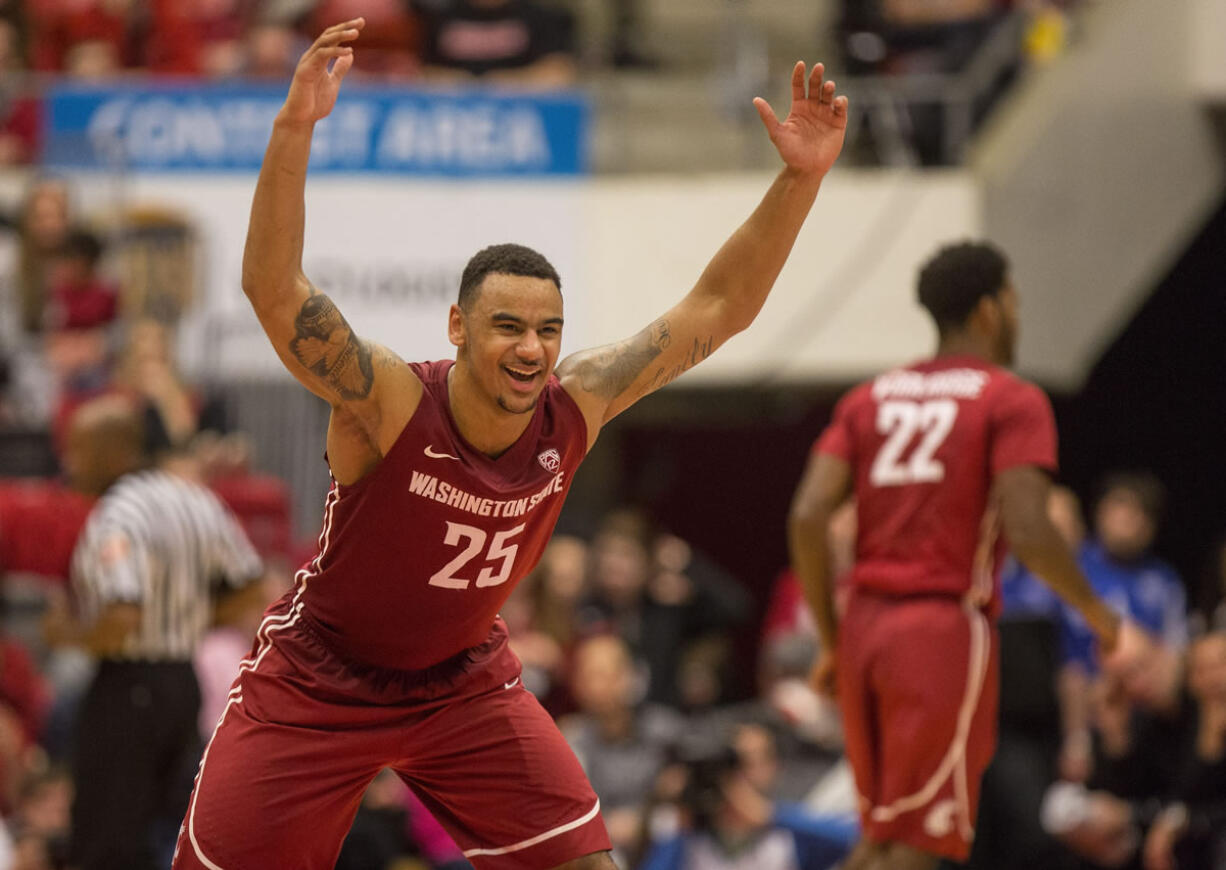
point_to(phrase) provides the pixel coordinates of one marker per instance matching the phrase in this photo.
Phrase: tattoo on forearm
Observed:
(327, 347)
(700, 351)
(609, 371)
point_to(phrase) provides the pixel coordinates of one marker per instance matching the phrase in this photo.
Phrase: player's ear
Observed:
(988, 314)
(456, 328)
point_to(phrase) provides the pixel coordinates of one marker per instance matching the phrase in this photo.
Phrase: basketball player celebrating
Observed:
(941, 457)
(448, 479)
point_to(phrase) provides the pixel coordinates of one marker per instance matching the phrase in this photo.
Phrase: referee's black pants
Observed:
(136, 749)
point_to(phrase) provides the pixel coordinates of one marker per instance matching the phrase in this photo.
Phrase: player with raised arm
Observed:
(942, 457)
(448, 478)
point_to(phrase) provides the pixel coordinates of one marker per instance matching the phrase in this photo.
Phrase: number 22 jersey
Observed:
(417, 557)
(925, 444)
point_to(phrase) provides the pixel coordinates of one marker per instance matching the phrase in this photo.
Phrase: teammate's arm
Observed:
(1022, 493)
(370, 391)
(826, 484)
(605, 381)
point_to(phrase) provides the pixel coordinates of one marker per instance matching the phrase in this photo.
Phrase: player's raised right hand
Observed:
(317, 78)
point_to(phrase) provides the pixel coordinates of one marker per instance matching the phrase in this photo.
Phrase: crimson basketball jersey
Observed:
(925, 443)
(417, 557)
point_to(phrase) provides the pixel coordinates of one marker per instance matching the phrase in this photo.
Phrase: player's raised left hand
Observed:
(811, 136)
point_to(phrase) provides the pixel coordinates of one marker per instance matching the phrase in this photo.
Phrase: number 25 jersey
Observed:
(925, 444)
(417, 557)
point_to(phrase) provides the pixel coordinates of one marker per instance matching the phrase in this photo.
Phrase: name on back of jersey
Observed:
(904, 384)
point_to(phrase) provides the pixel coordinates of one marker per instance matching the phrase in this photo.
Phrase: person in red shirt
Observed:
(942, 457)
(448, 478)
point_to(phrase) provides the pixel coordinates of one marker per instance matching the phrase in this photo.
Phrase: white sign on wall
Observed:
(390, 252)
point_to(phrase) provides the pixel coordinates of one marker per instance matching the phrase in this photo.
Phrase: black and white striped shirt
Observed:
(157, 540)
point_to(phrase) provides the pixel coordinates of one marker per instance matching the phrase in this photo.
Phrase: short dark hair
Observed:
(82, 245)
(1144, 486)
(505, 259)
(957, 277)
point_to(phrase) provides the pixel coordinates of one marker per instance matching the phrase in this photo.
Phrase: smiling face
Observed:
(509, 338)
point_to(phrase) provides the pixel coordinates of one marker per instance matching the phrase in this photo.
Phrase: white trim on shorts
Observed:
(539, 838)
(954, 762)
(276, 622)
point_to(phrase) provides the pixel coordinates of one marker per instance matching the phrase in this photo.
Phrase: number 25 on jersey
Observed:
(901, 422)
(501, 551)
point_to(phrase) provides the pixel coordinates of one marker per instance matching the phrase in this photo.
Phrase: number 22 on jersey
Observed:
(500, 551)
(901, 422)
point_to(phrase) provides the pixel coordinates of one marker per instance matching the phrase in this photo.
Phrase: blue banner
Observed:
(226, 128)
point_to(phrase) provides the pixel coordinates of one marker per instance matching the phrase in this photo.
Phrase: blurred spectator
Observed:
(41, 820)
(626, 50)
(1191, 830)
(204, 37)
(727, 823)
(271, 50)
(1123, 571)
(513, 42)
(91, 38)
(788, 614)
(620, 742)
(24, 698)
(44, 225)
(912, 36)
(78, 296)
(20, 110)
(389, 43)
(909, 37)
(174, 412)
(40, 521)
(541, 617)
(1097, 826)
(393, 829)
(77, 316)
(222, 649)
(672, 606)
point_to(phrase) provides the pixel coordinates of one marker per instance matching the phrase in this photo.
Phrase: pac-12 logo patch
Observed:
(550, 460)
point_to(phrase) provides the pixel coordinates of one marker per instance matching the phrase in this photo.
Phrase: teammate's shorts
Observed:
(304, 734)
(918, 687)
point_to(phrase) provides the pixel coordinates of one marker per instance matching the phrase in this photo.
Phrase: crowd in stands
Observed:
(522, 43)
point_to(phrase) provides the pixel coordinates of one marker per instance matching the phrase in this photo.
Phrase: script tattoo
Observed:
(609, 371)
(327, 347)
(700, 351)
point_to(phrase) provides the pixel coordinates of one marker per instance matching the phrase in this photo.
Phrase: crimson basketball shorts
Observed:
(918, 688)
(304, 733)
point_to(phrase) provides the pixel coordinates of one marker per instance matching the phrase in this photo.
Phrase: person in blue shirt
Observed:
(728, 824)
(1123, 570)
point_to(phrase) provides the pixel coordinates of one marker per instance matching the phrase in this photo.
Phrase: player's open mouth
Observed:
(522, 379)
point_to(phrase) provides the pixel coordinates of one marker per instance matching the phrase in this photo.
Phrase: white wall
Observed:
(626, 249)
(1207, 56)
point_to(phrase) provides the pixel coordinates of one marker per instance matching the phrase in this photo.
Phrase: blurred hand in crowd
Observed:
(1095, 825)
(1207, 684)
(1158, 853)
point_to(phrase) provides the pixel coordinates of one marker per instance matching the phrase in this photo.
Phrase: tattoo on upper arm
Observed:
(609, 371)
(700, 351)
(326, 346)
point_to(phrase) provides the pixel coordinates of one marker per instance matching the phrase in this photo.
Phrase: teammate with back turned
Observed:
(942, 457)
(448, 479)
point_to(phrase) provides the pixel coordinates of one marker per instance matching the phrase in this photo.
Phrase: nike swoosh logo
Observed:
(430, 452)
(510, 685)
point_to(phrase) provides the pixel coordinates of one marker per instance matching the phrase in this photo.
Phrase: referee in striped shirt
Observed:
(158, 558)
